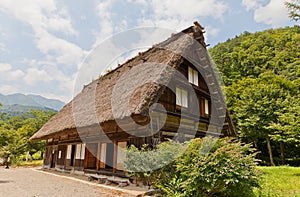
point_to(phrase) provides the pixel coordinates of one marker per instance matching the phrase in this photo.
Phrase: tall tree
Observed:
(294, 9)
(256, 105)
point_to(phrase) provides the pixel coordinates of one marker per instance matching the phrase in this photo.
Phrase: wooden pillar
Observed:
(86, 156)
(98, 156)
(115, 156)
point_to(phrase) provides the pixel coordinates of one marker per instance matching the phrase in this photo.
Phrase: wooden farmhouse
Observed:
(167, 92)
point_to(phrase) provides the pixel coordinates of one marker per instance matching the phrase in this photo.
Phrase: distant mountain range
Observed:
(17, 104)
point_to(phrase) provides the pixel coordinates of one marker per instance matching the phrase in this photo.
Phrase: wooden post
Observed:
(202, 107)
(98, 156)
(115, 156)
(86, 157)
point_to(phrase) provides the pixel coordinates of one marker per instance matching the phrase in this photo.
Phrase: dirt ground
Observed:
(32, 182)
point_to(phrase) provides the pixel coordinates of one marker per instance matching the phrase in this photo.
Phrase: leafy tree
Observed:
(15, 133)
(287, 129)
(294, 9)
(256, 105)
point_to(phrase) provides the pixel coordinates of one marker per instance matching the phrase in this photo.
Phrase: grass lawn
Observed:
(280, 181)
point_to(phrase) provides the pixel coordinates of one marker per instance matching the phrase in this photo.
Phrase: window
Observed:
(193, 76)
(59, 154)
(206, 107)
(69, 150)
(80, 151)
(181, 97)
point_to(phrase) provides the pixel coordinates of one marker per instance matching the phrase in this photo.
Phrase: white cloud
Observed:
(104, 13)
(40, 14)
(169, 23)
(62, 51)
(34, 75)
(8, 89)
(45, 17)
(178, 15)
(274, 13)
(47, 74)
(189, 9)
(4, 67)
(7, 74)
(251, 4)
(142, 2)
(2, 47)
(16, 74)
(211, 32)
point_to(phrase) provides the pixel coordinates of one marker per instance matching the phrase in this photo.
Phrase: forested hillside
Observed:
(261, 72)
(15, 132)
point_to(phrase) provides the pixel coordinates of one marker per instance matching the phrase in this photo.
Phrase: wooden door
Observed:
(92, 150)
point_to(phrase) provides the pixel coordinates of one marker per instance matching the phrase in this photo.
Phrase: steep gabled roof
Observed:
(93, 105)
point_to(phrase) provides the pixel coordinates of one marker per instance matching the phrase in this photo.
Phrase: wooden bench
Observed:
(100, 178)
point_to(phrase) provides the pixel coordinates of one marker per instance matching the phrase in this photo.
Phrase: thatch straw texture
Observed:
(94, 104)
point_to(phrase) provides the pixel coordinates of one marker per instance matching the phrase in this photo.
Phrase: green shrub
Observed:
(205, 168)
(143, 163)
(226, 168)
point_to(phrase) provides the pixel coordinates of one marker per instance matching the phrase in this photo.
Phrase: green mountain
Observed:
(48, 103)
(17, 104)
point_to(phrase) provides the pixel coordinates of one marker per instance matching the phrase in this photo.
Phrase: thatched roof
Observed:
(93, 105)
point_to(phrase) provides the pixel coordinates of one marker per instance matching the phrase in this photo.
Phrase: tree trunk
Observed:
(282, 152)
(270, 151)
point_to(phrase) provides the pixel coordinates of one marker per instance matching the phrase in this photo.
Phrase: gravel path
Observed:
(15, 182)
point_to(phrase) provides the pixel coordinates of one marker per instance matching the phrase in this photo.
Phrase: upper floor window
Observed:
(181, 97)
(193, 76)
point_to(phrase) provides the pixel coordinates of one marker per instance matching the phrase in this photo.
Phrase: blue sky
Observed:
(43, 43)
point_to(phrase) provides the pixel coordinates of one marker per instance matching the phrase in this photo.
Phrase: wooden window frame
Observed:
(193, 76)
(179, 101)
